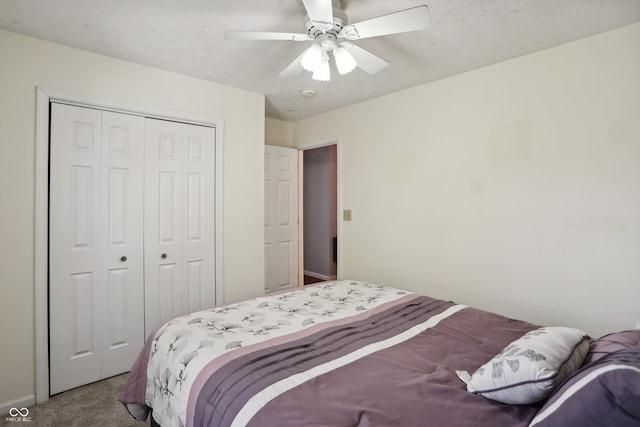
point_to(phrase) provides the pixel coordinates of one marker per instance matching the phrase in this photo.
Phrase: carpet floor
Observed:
(91, 405)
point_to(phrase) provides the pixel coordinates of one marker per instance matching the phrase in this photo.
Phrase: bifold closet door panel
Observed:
(122, 189)
(179, 220)
(162, 221)
(198, 217)
(75, 271)
(95, 245)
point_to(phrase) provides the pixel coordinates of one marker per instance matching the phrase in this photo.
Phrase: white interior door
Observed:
(198, 166)
(280, 218)
(122, 231)
(163, 225)
(74, 247)
(95, 295)
(179, 220)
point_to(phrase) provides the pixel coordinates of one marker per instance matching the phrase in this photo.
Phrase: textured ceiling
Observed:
(186, 37)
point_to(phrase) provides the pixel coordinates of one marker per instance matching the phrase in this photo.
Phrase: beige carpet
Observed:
(92, 405)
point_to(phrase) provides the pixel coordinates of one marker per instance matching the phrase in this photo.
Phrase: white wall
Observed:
(278, 132)
(514, 188)
(26, 63)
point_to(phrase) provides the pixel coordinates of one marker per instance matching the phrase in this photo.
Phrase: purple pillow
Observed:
(610, 343)
(605, 393)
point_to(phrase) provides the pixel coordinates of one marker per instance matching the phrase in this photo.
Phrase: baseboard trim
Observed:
(316, 275)
(23, 402)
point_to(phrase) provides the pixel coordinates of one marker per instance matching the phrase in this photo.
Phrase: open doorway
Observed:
(320, 213)
(302, 227)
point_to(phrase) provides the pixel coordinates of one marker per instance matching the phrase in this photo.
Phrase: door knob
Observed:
(123, 258)
(163, 256)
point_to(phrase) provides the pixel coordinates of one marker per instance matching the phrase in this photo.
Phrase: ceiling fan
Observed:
(326, 25)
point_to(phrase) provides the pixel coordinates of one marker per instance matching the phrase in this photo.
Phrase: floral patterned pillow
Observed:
(528, 369)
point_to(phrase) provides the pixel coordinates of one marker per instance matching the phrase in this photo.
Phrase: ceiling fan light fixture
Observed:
(344, 60)
(322, 72)
(312, 57)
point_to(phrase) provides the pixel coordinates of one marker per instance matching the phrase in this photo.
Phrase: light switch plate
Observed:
(346, 215)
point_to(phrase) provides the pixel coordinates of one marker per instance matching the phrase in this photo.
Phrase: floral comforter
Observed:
(271, 360)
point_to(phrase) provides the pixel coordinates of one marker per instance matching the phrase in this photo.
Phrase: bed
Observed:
(348, 353)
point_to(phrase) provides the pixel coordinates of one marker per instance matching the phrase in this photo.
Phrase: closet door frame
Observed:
(44, 97)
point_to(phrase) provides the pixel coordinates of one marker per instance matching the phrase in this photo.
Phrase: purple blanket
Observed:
(389, 363)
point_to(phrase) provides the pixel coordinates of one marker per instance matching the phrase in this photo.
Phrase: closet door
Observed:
(95, 221)
(179, 220)
(163, 223)
(122, 189)
(75, 258)
(198, 217)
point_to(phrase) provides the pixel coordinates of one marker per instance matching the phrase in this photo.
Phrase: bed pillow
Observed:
(604, 393)
(529, 368)
(610, 343)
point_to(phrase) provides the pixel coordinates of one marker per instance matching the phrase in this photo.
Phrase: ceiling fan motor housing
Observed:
(316, 29)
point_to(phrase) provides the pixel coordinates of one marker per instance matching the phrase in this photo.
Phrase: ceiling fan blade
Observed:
(319, 10)
(366, 60)
(293, 69)
(265, 35)
(414, 19)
